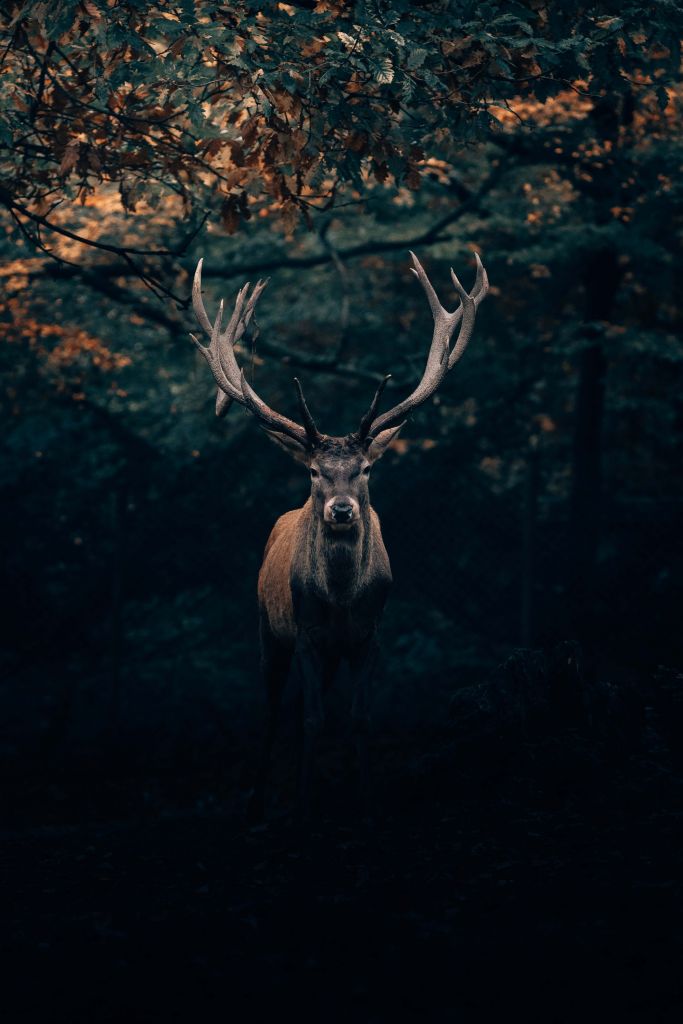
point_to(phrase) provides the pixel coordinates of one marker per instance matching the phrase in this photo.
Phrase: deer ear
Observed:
(378, 445)
(296, 449)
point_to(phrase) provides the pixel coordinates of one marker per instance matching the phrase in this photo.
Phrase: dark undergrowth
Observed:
(524, 863)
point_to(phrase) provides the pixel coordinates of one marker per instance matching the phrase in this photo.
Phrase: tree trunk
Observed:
(531, 489)
(602, 277)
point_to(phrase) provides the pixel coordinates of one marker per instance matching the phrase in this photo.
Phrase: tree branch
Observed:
(300, 360)
(11, 204)
(100, 280)
(428, 237)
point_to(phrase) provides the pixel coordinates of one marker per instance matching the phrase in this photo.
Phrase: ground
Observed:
(544, 885)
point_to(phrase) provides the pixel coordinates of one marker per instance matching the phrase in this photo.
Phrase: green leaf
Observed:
(416, 58)
(407, 89)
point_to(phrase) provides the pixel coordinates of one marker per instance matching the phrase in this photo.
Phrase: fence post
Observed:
(529, 513)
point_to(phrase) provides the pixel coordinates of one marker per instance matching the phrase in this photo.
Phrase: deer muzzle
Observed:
(341, 512)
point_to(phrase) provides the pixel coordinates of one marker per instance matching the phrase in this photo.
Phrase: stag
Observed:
(325, 574)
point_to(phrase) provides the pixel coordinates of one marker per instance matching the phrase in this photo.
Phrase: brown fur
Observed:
(297, 545)
(274, 587)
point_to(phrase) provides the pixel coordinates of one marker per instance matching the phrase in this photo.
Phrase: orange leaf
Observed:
(312, 47)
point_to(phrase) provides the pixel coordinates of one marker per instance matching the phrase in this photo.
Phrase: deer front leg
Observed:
(309, 664)
(363, 665)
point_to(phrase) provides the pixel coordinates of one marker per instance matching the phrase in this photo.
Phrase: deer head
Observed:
(339, 466)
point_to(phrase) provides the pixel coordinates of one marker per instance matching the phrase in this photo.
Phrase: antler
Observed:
(441, 358)
(220, 355)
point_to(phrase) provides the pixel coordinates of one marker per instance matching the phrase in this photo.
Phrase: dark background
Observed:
(528, 713)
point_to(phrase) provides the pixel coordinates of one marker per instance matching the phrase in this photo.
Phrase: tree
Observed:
(202, 110)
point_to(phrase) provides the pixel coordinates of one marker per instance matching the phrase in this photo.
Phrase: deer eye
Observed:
(366, 471)
(314, 473)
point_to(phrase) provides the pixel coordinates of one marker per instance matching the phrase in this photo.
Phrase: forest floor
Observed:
(546, 887)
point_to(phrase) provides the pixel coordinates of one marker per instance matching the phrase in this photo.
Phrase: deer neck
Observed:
(340, 562)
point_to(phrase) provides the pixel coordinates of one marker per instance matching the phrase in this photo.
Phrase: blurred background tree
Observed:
(537, 498)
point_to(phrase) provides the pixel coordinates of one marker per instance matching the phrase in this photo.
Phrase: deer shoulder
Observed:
(274, 580)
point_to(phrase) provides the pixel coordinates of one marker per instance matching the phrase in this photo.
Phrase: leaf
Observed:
(416, 58)
(609, 24)
(451, 46)
(385, 73)
(230, 217)
(346, 40)
(407, 89)
(328, 74)
(312, 46)
(473, 59)
(70, 158)
(432, 80)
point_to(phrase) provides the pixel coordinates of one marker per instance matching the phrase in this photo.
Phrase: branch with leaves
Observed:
(231, 110)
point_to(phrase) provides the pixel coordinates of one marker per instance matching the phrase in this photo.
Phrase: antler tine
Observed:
(220, 356)
(197, 301)
(227, 392)
(223, 403)
(366, 422)
(309, 423)
(212, 356)
(268, 417)
(479, 293)
(420, 274)
(234, 322)
(469, 312)
(226, 344)
(249, 311)
(226, 340)
(440, 359)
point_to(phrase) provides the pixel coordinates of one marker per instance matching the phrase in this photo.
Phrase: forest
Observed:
(527, 715)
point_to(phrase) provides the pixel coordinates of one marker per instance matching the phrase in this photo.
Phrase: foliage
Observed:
(201, 109)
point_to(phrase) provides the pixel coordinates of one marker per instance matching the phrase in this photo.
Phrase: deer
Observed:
(325, 575)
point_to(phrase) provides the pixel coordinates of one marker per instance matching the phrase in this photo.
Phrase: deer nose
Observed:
(342, 512)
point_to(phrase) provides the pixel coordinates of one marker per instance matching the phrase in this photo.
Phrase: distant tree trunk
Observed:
(602, 275)
(611, 114)
(528, 618)
(118, 516)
